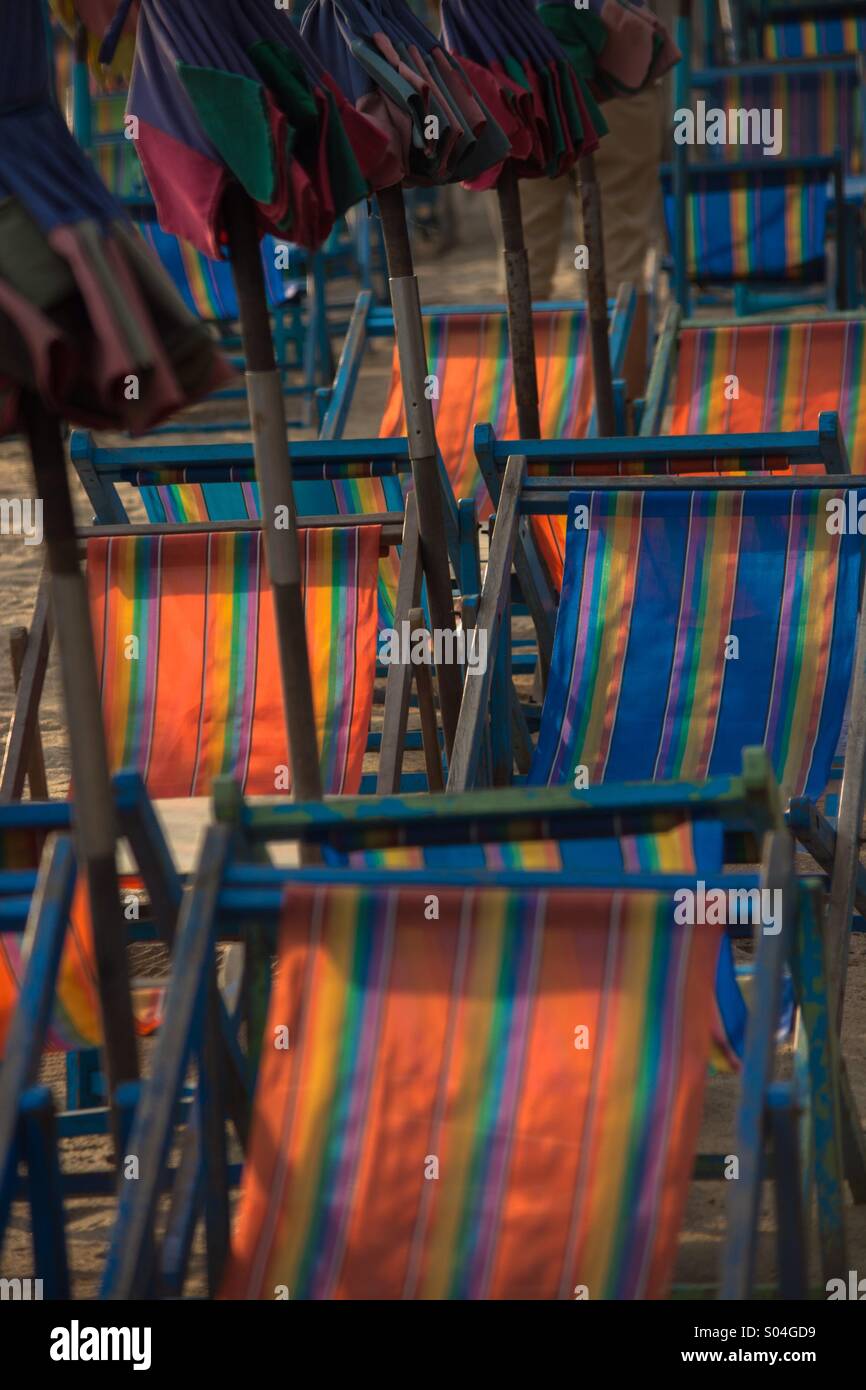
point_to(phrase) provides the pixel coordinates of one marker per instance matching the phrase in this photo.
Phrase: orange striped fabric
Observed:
(185, 637)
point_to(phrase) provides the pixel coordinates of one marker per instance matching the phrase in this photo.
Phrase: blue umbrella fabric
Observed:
(88, 319)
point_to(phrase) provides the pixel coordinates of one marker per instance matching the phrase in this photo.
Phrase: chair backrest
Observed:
(542, 1055)
(696, 622)
(820, 31)
(207, 286)
(820, 109)
(765, 222)
(779, 376)
(190, 677)
(469, 362)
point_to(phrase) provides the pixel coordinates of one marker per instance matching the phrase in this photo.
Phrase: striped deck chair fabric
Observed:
(758, 225)
(786, 374)
(182, 502)
(76, 1021)
(822, 111)
(207, 286)
(436, 1131)
(834, 36)
(693, 625)
(469, 360)
(185, 638)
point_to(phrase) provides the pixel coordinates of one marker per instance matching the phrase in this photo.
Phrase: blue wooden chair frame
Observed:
(30, 1127)
(833, 843)
(235, 886)
(824, 446)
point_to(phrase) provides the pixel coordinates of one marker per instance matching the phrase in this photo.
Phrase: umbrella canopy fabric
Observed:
(439, 126)
(227, 90)
(619, 46)
(87, 318)
(539, 100)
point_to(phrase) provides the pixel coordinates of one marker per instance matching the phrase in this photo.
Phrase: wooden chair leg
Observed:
(790, 1223)
(427, 711)
(36, 778)
(25, 715)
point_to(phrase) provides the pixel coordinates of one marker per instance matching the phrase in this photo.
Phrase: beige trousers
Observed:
(627, 164)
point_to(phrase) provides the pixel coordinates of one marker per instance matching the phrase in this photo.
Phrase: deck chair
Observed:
(470, 377)
(730, 376)
(724, 450)
(525, 1190)
(763, 223)
(189, 676)
(680, 640)
(49, 1000)
(822, 105)
(829, 30)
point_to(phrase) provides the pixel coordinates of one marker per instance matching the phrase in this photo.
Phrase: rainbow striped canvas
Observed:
(822, 111)
(835, 36)
(184, 629)
(785, 375)
(76, 1022)
(207, 286)
(695, 624)
(182, 502)
(759, 225)
(438, 1127)
(469, 358)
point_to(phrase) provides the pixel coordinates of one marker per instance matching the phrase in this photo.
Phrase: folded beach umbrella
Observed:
(242, 130)
(619, 46)
(90, 329)
(552, 122)
(440, 130)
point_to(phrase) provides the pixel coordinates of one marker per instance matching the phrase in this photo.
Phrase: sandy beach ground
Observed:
(467, 273)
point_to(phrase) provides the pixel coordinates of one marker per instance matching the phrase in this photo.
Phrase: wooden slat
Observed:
(25, 715)
(476, 693)
(398, 686)
(36, 778)
(127, 1270)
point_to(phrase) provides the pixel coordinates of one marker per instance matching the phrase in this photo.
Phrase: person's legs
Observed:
(543, 203)
(627, 164)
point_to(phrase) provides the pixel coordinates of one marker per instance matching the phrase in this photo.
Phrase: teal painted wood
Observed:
(348, 369)
(824, 445)
(810, 980)
(126, 1272)
(744, 1193)
(39, 1145)
(482, 817)
(48, 920)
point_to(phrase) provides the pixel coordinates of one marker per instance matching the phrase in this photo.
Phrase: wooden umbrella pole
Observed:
(421, 432)
(274, 474)
(94, 818)
(590, 198)
(519, 293)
